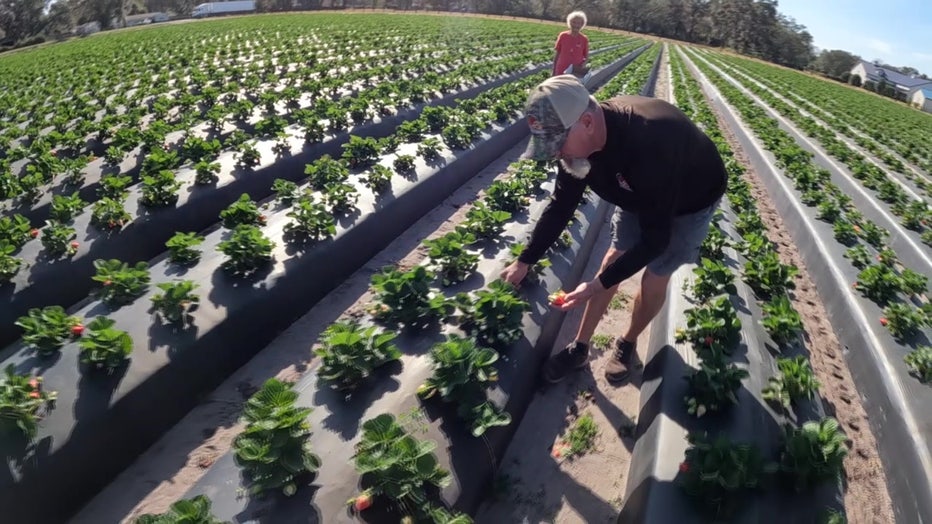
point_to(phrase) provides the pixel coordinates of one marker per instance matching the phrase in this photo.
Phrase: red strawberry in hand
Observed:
(558, 298)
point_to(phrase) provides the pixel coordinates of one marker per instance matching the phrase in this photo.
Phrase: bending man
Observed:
(663, 174)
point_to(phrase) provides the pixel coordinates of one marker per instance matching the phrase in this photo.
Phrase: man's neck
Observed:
(601, 135)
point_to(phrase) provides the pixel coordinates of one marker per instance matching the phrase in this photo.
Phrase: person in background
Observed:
(572, 47)
(663, 174)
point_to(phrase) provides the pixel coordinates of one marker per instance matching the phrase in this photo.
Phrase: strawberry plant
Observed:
(755, 244)
(108, 213)
(767, 276)
(873, 234)
(247, 156)
(484, 222)
(121, 283)
(114, 186)
(713, 326)
(181, 248)
(23, 403)
(103, 346)
(749, 222)
(326, 171)
(205, 172)
(913, 283)
(273, 449)
(878, 283)
(718, 474)
(494, 315)
(462, 373)
(919, 362)
(159, 160)
(378, 178)
(349, 353)
(845, 233)
(429, 148)
(16, 230)
(247, 250)
(9, 265)
(175, 300)
(507, 195)
(160, 189)
(241, 212)
(46, 330)
(859, 256)
(286, 191)
(310, 220)
(195, 510)
(450, 257)
(64, 208)
(794, 382)
(56, 239)
(712, 279)
(781, 320)
(341, 197)
(814, 453)
(397, 466)
(713, 247)
(403, 164)
(360, 152)
(903, 320)
(405, 297)
(712, 387)
(829, 211)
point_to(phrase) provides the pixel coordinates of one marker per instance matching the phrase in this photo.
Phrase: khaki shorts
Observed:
(689, 231)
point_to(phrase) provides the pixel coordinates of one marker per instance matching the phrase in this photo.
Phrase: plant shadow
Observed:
(345, 409)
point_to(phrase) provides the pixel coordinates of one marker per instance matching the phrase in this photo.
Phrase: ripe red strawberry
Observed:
(558, 298)
(34, 233)
(883, 321)
(74, 245)
(77, 330)
(684, 467)
(108, 283)
(709, 341)
(362, 502)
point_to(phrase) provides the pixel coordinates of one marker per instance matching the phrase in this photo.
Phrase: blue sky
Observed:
(897, 31)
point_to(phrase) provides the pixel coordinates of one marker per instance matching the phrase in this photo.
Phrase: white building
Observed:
(922, 99)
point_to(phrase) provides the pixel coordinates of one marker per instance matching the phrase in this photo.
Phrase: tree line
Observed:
(751, 27)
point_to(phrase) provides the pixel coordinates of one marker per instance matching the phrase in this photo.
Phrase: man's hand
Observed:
(514, 273)
(580, 295)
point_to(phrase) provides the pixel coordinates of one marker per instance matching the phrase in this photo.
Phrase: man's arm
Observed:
(556, 215)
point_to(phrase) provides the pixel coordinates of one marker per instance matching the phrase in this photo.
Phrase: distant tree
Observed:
(835, 63)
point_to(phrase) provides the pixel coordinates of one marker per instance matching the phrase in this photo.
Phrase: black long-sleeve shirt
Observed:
(655, 163)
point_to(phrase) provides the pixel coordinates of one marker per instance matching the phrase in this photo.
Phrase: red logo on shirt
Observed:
(534, 124)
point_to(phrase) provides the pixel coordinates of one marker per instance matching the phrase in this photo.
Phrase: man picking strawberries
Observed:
(663, 174)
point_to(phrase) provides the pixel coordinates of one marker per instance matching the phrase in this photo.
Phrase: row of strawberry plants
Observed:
(716, 472)
(886, 282)
(328, 185)
(232, 122)
(899, 128)
(914, 213)
(779, 81)
(490, 320)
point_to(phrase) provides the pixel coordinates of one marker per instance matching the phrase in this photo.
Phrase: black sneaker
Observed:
(618, 367)
(572, 357)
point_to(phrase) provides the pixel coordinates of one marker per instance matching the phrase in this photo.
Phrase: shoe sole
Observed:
(560, 379)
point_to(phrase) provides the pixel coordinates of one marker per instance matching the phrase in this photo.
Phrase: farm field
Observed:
(251, 264)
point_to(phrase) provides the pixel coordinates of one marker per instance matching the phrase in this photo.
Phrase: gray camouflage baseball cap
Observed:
(551, 109)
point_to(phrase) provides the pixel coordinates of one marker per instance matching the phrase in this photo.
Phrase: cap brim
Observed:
(543, 147)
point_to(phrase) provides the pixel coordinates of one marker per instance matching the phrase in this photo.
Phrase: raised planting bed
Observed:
(708, 447)
(905, 202)
(37, 284)
(335, 421)
(878, 309)
(96, 428)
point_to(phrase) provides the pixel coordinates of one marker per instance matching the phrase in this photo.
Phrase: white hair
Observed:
(574, 15)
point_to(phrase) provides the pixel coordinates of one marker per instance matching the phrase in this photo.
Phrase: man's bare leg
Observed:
(598, 303)
(647, 304)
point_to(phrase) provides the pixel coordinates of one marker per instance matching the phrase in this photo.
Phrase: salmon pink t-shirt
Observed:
(571, 49)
